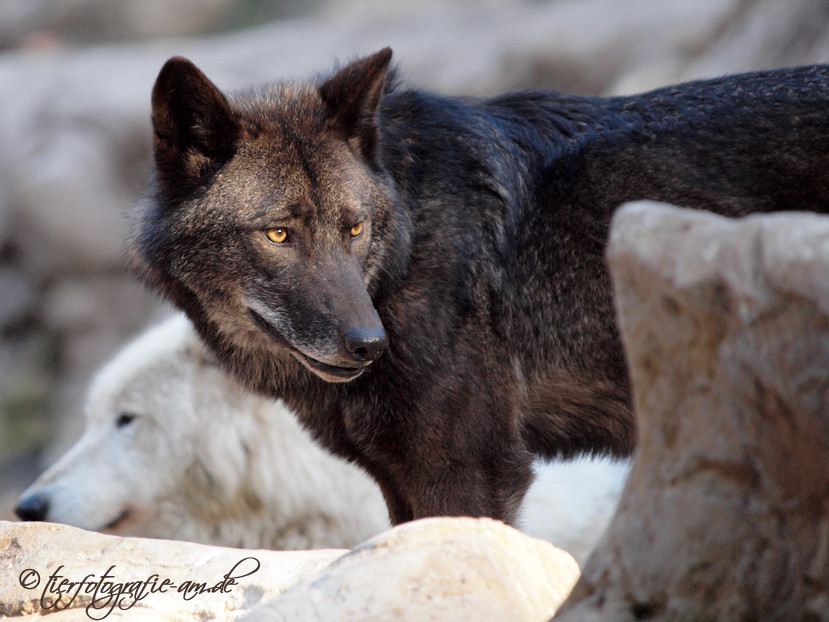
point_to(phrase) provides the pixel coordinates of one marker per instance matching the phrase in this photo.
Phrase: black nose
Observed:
(33, 507)
(366, 344)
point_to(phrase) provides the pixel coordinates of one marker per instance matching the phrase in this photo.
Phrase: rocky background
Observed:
(75, 79)
(725, 514)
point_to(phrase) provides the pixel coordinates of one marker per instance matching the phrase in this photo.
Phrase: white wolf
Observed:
(175, 449)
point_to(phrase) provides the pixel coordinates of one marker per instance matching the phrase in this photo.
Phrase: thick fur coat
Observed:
(422, 277)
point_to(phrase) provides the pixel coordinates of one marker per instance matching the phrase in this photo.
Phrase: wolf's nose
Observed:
(33, 507)
(366, 344)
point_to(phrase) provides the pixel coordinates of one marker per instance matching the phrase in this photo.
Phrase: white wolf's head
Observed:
(173, 448)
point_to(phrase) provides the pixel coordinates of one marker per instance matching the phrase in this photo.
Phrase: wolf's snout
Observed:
(33, 507)
(366, 344)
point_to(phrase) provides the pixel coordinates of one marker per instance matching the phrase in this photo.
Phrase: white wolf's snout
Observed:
(82, 489)
(33, 506)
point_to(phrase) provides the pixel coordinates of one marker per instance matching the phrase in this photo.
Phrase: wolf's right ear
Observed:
(352, 95)
(194, 128)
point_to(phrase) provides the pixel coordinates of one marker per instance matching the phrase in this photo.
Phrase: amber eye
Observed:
(277, 236)
(356, 230)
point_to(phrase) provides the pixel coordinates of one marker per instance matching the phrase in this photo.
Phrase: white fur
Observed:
(206, 461)
(181, 469)
(571, 503)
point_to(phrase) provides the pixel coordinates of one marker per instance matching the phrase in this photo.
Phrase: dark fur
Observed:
(483, 255)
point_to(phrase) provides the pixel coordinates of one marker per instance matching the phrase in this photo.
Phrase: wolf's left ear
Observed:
(352, 95)
(195, 131)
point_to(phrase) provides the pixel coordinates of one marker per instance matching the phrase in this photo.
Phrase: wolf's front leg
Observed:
(492, 487)
(487, 487)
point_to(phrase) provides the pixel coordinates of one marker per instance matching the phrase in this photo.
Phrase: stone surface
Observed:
(725, 515)
(30, 553)
(747, 36)
(432, 570)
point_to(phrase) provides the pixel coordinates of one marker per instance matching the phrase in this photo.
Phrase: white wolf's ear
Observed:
(194, 129)
(352, 95)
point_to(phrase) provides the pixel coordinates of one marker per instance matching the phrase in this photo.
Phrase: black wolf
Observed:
(422, 277)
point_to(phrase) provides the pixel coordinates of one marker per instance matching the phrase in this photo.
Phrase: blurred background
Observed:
(75, 81)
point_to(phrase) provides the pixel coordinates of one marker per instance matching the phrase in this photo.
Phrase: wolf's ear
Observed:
(352, 96)
(194, 129)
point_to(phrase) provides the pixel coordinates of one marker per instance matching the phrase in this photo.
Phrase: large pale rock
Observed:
(764, 34)
(436, 569)
(30, 553)
(433, 569)
(725, 515)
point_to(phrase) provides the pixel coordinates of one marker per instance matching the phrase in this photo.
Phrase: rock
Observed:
(725, 514)
(585, 51)
(764, 34)
(39, 22)
(434, 569)
(748, 36)
(31, 553)
(80, 223)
